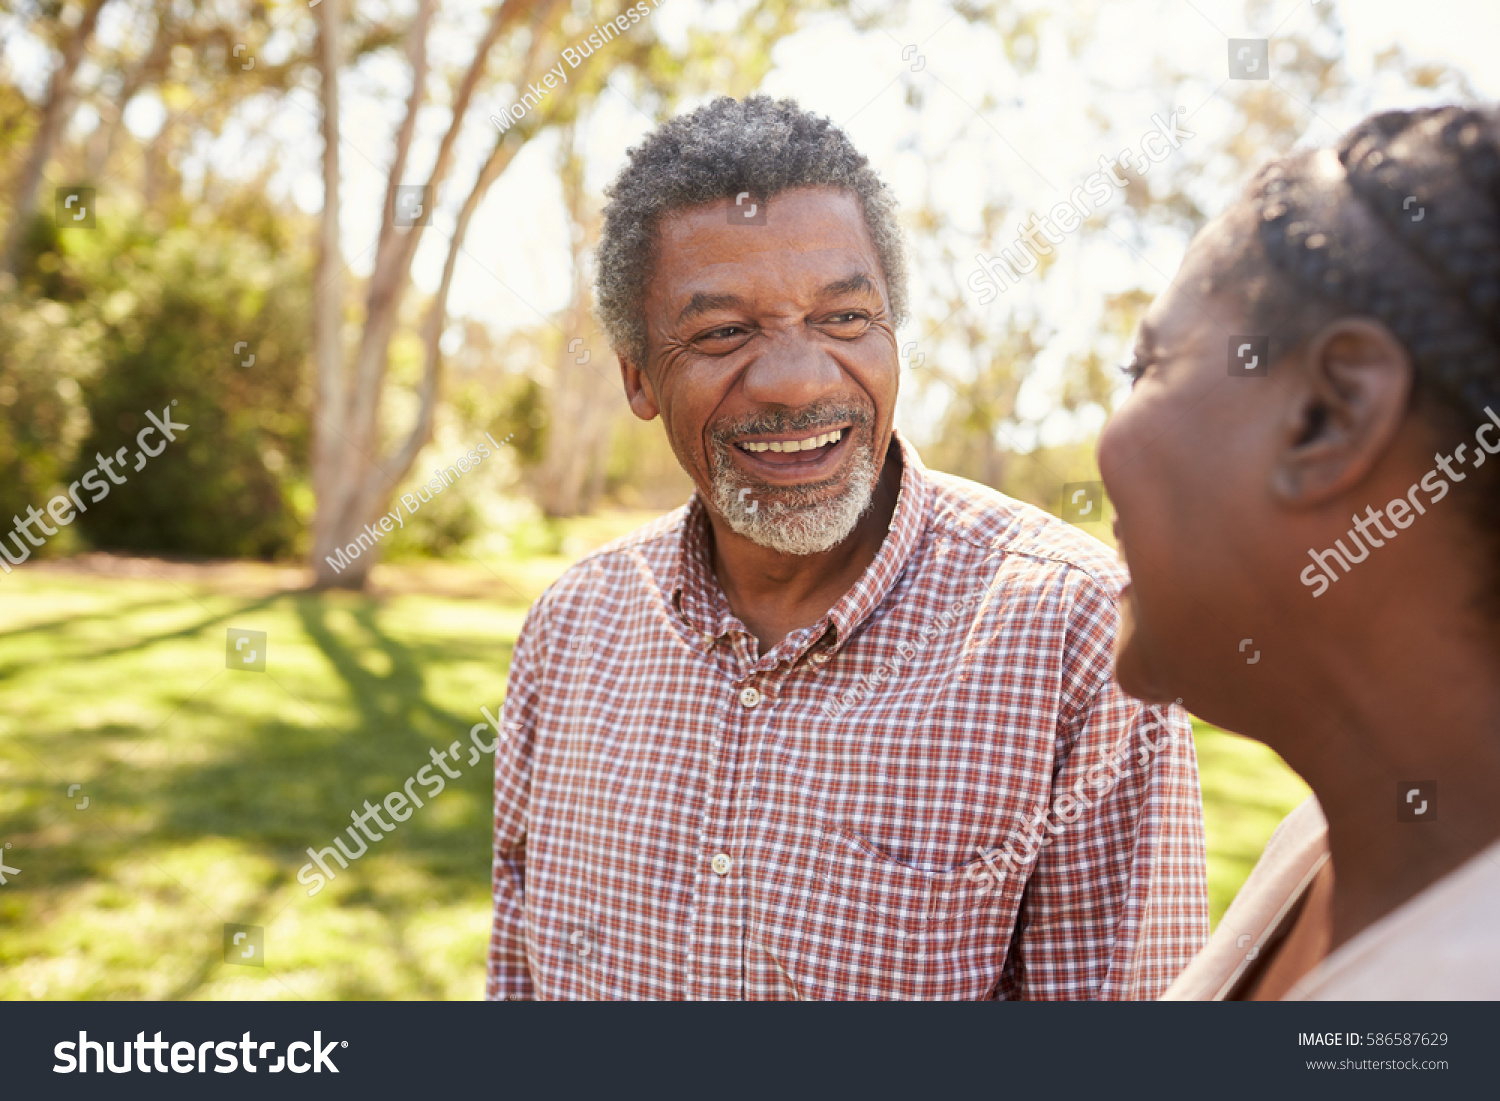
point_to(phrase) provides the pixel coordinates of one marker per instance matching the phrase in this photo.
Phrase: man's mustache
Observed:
(773, 422)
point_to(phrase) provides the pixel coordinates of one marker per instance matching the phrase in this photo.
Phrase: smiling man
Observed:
(840, 727)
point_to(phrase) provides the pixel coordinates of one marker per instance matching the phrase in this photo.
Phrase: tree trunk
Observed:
(583, 401)
(328, 316)
(54, 116)
(352, 481)
(582, 410)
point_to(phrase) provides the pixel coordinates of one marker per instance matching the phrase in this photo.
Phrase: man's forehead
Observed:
(799, 206)
(816, 236)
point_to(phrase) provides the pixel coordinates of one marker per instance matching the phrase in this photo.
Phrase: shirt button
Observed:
(820, 657)
(749, 697)
(722, 864)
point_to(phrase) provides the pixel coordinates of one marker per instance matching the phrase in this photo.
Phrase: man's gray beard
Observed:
(797, 522)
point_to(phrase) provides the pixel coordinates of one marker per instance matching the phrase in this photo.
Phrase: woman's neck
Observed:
(1405, 762)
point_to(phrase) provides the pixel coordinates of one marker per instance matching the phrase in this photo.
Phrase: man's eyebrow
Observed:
(859, 281)
(702, 303)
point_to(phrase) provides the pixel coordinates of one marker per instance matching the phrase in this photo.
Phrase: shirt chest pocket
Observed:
(871, 926)
(903, 896)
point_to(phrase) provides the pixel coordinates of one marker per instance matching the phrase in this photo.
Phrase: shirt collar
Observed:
(700, 602)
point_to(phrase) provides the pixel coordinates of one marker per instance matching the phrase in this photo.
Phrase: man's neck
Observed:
(774, 594)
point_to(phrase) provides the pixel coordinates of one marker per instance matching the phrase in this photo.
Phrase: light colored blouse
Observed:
(1443, 943)
(1252, 927)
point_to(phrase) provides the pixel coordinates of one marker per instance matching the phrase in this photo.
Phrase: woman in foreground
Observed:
(1314, 550)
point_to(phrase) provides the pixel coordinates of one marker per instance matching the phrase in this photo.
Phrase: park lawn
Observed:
(205, 785)
(1247, 791)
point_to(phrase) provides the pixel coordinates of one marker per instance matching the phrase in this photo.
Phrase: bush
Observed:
(215, 320)
(43, 353)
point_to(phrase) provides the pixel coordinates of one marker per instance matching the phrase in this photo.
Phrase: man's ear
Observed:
(1350, 392)
(638, 390)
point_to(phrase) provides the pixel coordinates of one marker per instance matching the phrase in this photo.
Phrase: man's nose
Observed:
(792, 371)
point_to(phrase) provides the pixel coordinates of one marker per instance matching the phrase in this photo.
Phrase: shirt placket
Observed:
(719, 916)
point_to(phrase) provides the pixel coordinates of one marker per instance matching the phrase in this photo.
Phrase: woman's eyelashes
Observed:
(1135, 368)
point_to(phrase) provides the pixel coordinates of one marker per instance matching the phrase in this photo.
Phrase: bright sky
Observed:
(858, 81)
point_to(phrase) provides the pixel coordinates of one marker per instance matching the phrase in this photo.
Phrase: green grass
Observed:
(206, 785)
(1247, 791)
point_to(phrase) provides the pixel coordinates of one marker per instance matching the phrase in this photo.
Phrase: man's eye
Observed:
(723, 332)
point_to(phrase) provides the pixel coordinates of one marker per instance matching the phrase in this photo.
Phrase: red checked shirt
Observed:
(678, 817)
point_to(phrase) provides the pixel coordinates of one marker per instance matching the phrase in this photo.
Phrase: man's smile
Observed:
(808, 455)
(799, 443)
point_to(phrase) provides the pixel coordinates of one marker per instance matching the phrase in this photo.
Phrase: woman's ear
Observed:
(638, 390)
(1351, 386)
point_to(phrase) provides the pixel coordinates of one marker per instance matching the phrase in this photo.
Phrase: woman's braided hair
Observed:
(1429, 270)
(1432, 179)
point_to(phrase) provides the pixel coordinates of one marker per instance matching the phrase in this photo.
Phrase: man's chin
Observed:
(797, 529)
(798, 520)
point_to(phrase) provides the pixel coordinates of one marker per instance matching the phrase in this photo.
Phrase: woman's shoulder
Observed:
(1292, 857)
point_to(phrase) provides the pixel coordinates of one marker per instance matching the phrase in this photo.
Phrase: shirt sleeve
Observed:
(1117, 901)
(509, 977)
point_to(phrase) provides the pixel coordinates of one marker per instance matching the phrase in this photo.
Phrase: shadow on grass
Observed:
(47, 626)
(143, 643)
(279, 788)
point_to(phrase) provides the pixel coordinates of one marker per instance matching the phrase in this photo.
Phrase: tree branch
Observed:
(372, 360)
(381, 285)
(384, 478)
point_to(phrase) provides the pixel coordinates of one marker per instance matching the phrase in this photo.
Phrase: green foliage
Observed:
(438, 527)
(521, 417)
(214, 319)
(642, 471)
(44, 350)
(39, 262)
(1247, 791)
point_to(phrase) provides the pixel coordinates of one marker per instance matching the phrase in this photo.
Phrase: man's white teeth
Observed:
(795, 445)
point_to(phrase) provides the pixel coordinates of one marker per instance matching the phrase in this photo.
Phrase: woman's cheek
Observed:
(1133, 665)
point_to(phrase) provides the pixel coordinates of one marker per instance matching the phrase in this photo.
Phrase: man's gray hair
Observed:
(762, 146)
